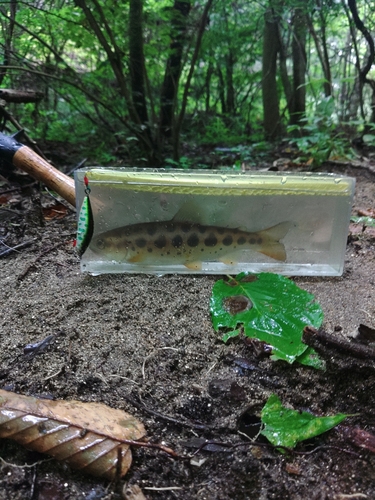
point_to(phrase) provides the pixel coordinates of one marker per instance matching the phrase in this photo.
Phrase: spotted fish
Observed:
(186, 243)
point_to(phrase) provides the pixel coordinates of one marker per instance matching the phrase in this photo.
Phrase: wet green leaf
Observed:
(271, 308)
(284, 427)
(311, 358)
(367, 221)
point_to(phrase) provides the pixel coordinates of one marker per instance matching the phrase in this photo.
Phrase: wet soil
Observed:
(146, 344)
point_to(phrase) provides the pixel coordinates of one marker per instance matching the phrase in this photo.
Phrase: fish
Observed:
(186, 243)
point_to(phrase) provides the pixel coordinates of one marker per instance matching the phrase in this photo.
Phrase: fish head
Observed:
(110, 246)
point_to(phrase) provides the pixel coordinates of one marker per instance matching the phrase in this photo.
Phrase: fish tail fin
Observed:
(274, 250)
(271, 237)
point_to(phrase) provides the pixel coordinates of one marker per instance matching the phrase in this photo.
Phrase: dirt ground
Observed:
(146, 344)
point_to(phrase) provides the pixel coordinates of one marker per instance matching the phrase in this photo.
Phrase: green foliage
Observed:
(184, 163)
(366, 221)
(58, 52)
(271, 308)
(369, 139)
(317, 139)
(249, 154)
(285, 427)
(217, 130)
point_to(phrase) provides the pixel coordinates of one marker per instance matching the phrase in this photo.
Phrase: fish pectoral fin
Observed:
(232, 257)
(275, 250)
(135, 258)
(228, 260)
(193, 266)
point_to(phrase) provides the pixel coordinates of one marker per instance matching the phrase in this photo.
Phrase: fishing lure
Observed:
(85, 227)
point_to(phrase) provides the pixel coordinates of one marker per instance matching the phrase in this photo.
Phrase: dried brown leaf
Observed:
(91, 437)
(366, 212)
(359, 437)
(57, 211)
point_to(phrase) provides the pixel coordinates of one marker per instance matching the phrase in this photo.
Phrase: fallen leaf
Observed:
(285, 427)
(56, 211)
(367, 213)
(10, 198)
(365, 221)
(272, 309)
(90, 437)
(360, 437)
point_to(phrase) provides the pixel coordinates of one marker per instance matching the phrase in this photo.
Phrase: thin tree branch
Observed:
(194, 58)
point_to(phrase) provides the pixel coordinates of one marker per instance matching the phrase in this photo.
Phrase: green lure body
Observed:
(85, 226)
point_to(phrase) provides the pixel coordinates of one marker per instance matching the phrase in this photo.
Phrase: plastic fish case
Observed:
(212, 222)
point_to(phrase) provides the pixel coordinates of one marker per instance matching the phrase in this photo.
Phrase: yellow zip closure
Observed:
(220, 183)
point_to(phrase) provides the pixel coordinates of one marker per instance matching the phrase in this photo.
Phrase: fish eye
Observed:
(100, 244)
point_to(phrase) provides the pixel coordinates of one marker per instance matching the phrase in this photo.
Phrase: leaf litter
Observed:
(272, 309)
(285, 427)
(90, 437)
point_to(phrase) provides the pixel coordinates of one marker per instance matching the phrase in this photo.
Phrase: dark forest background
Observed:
(161, 83)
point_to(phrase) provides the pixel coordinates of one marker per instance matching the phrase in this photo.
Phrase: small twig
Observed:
(166, 488)
(118, 464)
(15, 212)
(155, 446)
(271, 446)
(16, 248)
(25, 465)
(54, 374)
(138, 404)
(10, 190)
(368, 314)
(350, 496)
(32, 489)
(315, 338)
(42, 254)
(79, 165)
(327, 447)
(60, 200)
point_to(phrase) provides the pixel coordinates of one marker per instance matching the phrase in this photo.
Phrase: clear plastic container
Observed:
(215, 222)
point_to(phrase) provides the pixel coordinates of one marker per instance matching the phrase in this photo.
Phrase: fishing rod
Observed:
(26, 159)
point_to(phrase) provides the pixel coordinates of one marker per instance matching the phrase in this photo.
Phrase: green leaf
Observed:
(367, 221)
(271, 308)
(284, 427)
(311, 358)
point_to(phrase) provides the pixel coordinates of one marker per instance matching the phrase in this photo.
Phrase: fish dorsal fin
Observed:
(187, 213)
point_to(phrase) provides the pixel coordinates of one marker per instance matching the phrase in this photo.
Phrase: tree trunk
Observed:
(363, 72)
(221, 90)
(207, 85)
(169, 88)
(229, 81)
(8, 39)
(194, 58)
(322, 51)
(298, 109)
(271, 113)
(136, 60)
(287, 86)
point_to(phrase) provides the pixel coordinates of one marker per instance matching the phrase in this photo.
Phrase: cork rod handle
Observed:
(27, 160)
